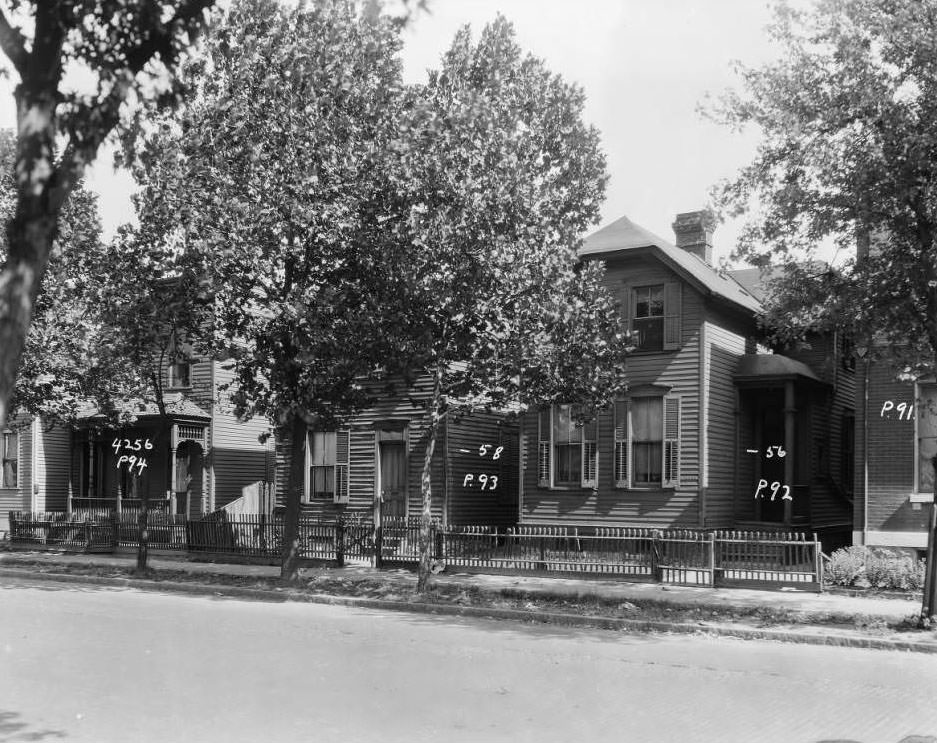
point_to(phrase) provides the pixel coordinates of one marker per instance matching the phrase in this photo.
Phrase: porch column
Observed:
(790, 421)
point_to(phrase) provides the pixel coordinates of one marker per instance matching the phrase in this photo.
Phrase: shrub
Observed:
(876, 568)
(846, 566)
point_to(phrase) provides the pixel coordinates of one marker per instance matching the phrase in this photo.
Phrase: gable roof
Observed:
(623, 235)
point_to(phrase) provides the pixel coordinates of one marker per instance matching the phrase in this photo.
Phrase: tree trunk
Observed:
(29, 236)
(31, 230)
(289, 567)
(426, 515)
(143, 534)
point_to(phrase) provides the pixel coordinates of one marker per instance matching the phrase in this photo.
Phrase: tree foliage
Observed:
(848, 118)
(127, 52)
(496, 181)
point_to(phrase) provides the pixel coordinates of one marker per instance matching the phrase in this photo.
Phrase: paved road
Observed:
(97, 664)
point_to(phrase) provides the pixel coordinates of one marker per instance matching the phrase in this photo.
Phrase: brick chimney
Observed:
(694, 231)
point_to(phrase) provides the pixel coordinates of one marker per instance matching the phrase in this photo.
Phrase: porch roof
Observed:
(177, 406)
(775, 367)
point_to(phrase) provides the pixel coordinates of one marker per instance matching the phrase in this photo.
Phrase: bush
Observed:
(846, 566)
(875, 568)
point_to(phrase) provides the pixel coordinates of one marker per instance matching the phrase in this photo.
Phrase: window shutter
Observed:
(673, 314)
(342, 462)
(621, 444)
(671, 478)
(627, 306)
(590, 454)
(544, 448)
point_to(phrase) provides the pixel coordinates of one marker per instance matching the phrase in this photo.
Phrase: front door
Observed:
(772, 468)
(393, 479)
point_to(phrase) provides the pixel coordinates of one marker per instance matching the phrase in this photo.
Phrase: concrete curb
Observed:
(541, 617)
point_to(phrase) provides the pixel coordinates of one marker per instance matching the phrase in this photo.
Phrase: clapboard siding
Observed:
(468, 504)
(238, 458)
(53, 467)
(725, 344)
(20, 497)
(393, 408)
(677, 370)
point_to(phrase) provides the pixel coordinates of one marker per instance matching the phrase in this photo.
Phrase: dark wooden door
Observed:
(772, 468)
(393, 479)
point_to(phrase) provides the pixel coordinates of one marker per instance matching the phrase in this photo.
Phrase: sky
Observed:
(645, 66)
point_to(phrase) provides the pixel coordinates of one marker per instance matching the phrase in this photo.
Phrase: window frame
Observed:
(589, 451)
(340, 467)
(650, 288)
(5, 457)
(623, 459)
(918, 408)
(173, 382)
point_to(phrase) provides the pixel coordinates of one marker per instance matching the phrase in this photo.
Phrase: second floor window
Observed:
(648, 320)
(179, 375)
(655, 315)
(9, 459)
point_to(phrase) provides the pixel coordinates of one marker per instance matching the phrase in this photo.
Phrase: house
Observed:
(34, 468)
(715, 431)
(195, 459)
(373, 465)
(896, 437)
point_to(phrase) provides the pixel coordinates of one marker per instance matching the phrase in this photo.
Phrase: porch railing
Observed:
(726, 558)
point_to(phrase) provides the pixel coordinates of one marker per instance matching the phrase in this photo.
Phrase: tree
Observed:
(849, 153)
(99, 339)
(497, 179)
(267, 183)
(128, 50)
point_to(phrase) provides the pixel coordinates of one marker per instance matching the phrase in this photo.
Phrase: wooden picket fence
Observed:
(689, 557)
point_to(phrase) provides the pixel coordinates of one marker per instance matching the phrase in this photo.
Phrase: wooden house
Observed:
(195, 459)
(715, 431)
(35, 467)
(373, 465)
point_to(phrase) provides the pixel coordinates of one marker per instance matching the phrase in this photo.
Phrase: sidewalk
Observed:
(805, 604)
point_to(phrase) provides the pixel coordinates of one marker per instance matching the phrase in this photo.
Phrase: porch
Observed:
(156, 460)
(783, 449)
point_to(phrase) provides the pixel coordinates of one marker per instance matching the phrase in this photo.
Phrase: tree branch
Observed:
(13, 44)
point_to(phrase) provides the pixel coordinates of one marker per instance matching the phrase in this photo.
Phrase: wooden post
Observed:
(378, 534)
(340, 542)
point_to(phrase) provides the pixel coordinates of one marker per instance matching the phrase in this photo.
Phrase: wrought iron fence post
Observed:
(656, 572)
(340, 542)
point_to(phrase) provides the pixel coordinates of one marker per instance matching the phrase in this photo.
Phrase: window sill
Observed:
(921, 498)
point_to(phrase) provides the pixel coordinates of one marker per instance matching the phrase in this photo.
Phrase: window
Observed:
(647, 442)
(649, 317)
(327, 457)
(654, 316)
(568, 453)
(847, 350)
(925, 425)
(179, 374)
(9, 457)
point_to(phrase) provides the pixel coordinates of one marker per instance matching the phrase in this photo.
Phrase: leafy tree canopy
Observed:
(849, 149)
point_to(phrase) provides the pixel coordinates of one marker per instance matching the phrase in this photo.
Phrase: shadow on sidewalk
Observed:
(12, 728)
